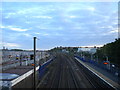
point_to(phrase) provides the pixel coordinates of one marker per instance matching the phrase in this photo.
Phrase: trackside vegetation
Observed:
(111, 51)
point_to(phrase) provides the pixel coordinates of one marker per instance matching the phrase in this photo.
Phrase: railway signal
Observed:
(105, 63)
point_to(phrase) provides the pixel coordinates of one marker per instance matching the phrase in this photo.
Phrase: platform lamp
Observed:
(34, 38)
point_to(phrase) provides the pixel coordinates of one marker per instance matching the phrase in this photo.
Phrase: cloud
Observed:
(91, 9)
(9, 15)
(49, 27)
(42, 34)
(114, 31)
(61, 23)
(14, 28)
(45, 17)
(18, 29)
(27, 22)
(107, 27)
(27, 35)
(10, 45)
(115, 23)
(72, 16)
(46, 34)
(37, 33)
(110, 32)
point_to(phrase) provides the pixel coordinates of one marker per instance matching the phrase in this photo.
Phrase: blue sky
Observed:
(58, 24)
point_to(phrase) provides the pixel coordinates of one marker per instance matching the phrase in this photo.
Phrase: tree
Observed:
(111, 50)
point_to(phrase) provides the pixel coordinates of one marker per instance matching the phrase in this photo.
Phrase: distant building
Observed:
(93, 50)
(12, 54)
(64, 50)
(89, 49)
(79, 50)
(83, 49)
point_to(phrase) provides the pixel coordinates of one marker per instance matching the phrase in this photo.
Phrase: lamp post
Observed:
(41, 54)
(106, 58)
(34, 63)
(21, 59)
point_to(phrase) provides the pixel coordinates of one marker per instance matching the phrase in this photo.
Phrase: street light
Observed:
(21, 59)
(34, 62)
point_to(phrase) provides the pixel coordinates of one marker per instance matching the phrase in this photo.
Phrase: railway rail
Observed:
(95, 81)
(69, 73)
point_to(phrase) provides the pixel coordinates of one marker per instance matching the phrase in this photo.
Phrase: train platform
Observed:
(20, 70)
(12, 76)
(17, 75)
(105, 76)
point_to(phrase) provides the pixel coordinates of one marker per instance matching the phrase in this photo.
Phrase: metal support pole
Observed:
(21, 59)
(41, 54)
(91, 56)
(97, 58)
(106, 58)
(34, 63)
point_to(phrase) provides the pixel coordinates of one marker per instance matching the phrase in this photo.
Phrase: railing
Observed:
(115, 71)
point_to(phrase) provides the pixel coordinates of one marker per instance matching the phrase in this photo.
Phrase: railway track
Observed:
(54, 82)
(60, 77)
(74, 79)
(64, 77)
(93, 79)
(69, 73)
(77, 75)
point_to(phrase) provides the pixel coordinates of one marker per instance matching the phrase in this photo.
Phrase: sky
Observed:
(58, 24)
